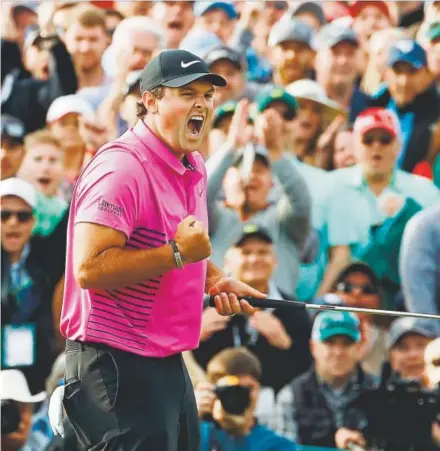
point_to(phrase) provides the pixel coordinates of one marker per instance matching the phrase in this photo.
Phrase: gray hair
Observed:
(141, 24)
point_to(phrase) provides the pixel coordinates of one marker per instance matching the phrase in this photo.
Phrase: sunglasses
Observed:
(22, 216)
(350, 287)
(384, 140)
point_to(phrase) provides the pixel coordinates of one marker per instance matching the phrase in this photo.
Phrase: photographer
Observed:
(28, 98)
(227, 406)
(16, 409)
(316, 405)
(392, 409)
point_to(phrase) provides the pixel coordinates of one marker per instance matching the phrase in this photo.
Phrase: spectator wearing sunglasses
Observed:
(358, 286)
(27, 287)
(383, 197)
(12, 140)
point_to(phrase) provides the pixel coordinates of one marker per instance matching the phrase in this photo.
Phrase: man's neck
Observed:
(334, 382)
(73, 160)
(341, 93)
(15, 257)
(91, 78)
(378, 182)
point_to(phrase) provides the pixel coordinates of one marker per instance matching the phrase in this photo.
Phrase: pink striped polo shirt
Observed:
(138, 186)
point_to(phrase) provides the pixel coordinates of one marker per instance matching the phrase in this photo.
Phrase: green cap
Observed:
(276, 94)
(330, 324)
(433, 31)
(224, 110)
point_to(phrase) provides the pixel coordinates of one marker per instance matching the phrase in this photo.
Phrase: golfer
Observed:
(137, 268)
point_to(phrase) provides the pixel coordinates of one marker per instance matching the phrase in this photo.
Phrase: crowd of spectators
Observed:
(323, 167)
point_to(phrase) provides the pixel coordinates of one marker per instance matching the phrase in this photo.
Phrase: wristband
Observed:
(177, 255)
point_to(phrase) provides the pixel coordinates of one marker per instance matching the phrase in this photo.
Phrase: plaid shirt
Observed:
(337, 400)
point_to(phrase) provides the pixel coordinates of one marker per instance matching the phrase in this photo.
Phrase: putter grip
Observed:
(266, 303)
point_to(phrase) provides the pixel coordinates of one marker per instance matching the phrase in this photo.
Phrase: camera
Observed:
(235, 399)
(399, 413)
(10, 416)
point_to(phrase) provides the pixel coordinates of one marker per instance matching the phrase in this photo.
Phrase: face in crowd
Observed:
(335, 358)
(17, 224)
(407, 356)
(176, 18)
(357, 289)
(252, 261)
(404, 82)
(337, 66)
(236, 81)
(86, 44)
(343, 155)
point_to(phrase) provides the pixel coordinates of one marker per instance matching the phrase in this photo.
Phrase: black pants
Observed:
(117, 401)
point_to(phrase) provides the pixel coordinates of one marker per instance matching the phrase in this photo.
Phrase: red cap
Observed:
(377, 118)
(357, 7)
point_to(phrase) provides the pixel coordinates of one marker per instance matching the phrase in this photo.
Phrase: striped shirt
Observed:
(138, 186)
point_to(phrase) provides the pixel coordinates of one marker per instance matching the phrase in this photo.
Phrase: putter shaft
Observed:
(278, 303)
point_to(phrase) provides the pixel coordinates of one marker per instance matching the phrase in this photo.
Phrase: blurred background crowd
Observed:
(323, 186)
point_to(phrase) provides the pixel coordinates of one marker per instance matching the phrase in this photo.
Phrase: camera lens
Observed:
(235, 399)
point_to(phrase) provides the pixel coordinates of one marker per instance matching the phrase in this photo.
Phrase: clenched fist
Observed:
(192, 240)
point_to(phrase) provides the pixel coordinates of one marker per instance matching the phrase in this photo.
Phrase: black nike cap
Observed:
(174, 69)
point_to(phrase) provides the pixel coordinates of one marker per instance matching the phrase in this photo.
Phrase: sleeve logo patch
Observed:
(108, 207)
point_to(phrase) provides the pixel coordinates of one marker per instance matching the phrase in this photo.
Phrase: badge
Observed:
(18, 345)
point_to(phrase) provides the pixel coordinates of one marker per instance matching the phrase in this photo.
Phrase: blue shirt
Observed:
(259, 439)
(353, 208)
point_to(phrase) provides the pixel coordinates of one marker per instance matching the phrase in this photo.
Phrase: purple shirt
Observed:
(138, 186)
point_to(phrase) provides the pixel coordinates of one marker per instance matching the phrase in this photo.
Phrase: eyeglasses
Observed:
(350, 287)
(21, 215)
(384, 140)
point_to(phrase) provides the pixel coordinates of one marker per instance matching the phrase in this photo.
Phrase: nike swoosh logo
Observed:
(185, 65)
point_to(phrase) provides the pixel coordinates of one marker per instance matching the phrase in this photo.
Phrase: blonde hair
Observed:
(41, 137)
(379, 41)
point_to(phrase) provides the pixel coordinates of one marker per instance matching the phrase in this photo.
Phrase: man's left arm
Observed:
(227, 291)
(294, 206)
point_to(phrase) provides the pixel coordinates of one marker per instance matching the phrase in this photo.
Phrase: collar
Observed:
(154, 144)
(351, 381)
(358, 179)
(24, 255)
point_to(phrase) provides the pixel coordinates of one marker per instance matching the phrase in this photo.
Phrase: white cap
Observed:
(19, 188)
(68, 104)
(311, 90)
(15, 387)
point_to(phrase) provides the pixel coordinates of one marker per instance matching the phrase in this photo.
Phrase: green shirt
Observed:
(353, 208)
(48, 214)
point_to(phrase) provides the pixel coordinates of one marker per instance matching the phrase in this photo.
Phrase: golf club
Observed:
(278, 303)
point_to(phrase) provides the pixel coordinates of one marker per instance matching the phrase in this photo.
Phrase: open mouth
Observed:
(44, 181)
(175, 25)
(13, 236)
(195, 125)
(306, 125)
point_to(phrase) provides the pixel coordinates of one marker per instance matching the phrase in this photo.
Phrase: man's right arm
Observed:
(100, 260)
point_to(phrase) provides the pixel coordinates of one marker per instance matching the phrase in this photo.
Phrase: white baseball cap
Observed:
(15, 186)
(68, 104)
(15, 387)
